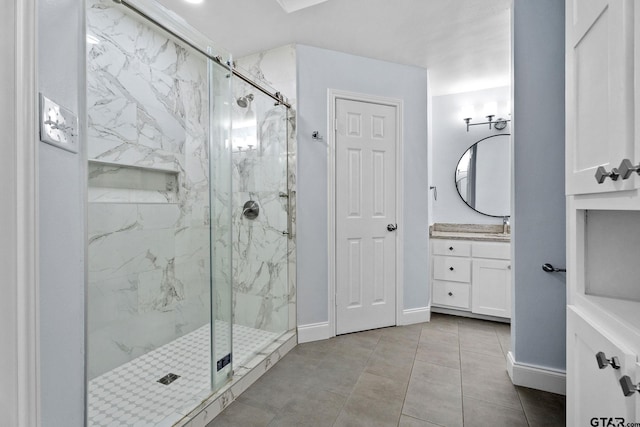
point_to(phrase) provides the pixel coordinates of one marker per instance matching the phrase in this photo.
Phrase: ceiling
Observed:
(465, 44)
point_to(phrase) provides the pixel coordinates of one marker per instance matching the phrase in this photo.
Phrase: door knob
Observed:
(551, 269)
(392, 227)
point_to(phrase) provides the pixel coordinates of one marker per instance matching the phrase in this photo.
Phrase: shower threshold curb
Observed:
(243, 377)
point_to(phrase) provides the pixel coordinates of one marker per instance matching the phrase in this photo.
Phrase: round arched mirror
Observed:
(483, 176)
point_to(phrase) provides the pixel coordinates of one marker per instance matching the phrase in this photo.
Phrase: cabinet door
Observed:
(600, 93)
(593, 392)
(491, 288)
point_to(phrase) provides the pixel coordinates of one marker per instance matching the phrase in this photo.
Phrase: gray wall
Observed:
(10, 384)
(450, 140)
(318, 70)
(62, 220)
(539, 202)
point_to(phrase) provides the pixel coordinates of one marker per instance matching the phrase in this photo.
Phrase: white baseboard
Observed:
(415, 315)
(314, 332)
(544, 379)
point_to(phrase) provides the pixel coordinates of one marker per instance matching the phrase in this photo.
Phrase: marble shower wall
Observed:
(149, 207)
(263, 260)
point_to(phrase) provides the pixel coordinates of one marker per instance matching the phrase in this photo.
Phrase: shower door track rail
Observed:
(277, 96)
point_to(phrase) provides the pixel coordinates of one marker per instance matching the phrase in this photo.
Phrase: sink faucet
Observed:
(505, 224)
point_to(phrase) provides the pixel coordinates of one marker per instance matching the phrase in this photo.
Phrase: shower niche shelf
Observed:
(120, 183)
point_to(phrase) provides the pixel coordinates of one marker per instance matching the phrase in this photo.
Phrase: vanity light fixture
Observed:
(498, 124)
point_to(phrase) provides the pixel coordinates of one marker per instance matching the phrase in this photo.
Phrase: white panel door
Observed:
(365, 206)
(599, 93)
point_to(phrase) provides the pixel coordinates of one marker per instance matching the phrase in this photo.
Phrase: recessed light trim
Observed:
(294, 5)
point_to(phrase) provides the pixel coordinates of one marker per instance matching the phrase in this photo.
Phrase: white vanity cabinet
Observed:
(603, 215)
(471, 276)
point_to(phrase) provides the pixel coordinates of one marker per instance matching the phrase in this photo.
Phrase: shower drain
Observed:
(168, 379)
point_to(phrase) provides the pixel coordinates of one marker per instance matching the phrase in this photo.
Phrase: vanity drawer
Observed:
(452, 269)
(451, 294)
(451, 247)
(494, 250)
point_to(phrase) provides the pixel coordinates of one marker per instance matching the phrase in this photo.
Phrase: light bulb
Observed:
(467, 112)
(490, 108)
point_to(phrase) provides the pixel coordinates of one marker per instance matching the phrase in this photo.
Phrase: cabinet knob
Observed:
(450, 248)
(628, 387)
(450, 294)
(451, 268)
(602, 174)
(603, 362)
(626, 169)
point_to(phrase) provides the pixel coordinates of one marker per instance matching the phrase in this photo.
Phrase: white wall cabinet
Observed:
(596, 391)
(472, 276)
(599, 93)
(603, 219)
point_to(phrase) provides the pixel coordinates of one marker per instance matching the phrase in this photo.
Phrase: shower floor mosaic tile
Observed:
(130, 395)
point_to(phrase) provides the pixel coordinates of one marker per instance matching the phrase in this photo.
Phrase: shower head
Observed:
(245, 101)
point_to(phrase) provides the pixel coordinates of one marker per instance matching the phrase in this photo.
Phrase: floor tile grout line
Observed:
(406, 389)
(461, 386)
(356, 383)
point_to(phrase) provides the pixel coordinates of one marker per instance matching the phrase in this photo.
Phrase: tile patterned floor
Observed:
(449, 372)
(130, 395)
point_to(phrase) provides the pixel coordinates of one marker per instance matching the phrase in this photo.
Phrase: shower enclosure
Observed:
(188, 217)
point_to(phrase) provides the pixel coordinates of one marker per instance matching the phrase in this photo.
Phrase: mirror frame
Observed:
(455, 172)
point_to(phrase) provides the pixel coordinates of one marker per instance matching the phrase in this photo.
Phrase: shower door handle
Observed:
(392, 227)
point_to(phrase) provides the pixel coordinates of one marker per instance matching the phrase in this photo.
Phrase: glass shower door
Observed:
(159, 208)
(221, 235)
(260, 221)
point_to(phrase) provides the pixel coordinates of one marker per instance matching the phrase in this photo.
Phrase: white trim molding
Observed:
(539, 378)
(332, 96)
(411, 316)
(19, 390)
(314, 332)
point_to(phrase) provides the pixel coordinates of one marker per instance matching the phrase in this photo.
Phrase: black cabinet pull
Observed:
(451, 268)
(450, 294)
(628, 387)
(450, 248)
(603, 362)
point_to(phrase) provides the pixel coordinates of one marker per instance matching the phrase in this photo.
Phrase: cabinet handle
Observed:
(602, 174)
(628, 387)
(450, 248)
(450, 294)
(626, 169)
(451, 268)
(603, 362)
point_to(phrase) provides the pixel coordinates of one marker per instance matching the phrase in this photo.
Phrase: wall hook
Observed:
(435, 192)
